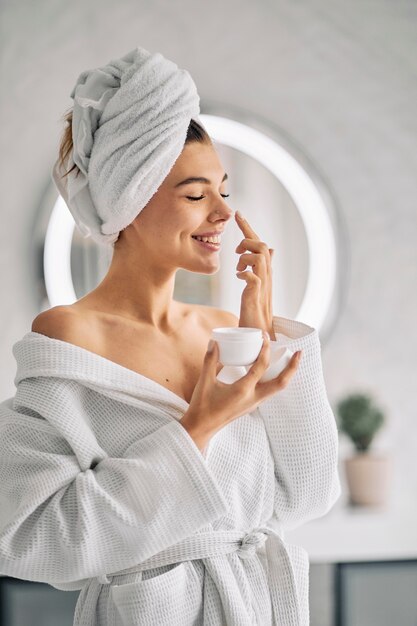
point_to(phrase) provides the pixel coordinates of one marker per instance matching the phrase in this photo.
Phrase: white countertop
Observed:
(352, 533)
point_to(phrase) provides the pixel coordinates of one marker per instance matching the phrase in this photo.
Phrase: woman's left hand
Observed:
(256, 303)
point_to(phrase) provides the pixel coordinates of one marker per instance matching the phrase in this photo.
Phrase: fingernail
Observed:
(210, 345)
(240, 215)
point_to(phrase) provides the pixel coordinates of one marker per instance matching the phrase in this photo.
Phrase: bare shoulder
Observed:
(219, 317)
(62, 322)
(228, 318)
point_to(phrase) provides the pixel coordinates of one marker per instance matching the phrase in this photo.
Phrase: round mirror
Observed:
(271, 182)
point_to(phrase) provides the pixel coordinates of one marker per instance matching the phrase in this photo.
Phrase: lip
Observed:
(209, 246)
(212, 233)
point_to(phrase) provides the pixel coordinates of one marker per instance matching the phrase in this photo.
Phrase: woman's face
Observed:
(163, 229)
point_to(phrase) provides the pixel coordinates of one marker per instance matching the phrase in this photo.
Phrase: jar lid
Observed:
(235, 334)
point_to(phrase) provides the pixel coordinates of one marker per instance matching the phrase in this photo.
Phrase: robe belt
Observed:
(281, 576)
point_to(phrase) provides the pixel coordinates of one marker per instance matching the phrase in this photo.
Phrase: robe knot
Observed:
(250, 543)
(104, 580)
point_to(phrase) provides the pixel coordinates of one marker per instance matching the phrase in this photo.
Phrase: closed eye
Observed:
(223, 195)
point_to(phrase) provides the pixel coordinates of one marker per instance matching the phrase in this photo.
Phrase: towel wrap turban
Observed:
(130, 121)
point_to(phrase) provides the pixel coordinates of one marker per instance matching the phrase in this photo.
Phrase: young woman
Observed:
(127, 469)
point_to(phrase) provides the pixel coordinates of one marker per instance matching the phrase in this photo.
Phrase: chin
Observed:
(204, 270)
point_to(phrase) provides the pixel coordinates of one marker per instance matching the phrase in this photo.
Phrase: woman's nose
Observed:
(224, 210)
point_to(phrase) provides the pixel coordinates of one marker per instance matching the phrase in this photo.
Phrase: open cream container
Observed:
(238, 345)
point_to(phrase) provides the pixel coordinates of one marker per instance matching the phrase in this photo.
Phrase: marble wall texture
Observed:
(339, 77)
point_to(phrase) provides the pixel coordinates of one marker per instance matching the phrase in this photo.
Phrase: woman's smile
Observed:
(213, 244)
(209, 240)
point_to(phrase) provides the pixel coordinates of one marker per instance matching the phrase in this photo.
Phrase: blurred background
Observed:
(312, 105)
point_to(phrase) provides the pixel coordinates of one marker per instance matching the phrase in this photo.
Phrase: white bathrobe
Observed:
(103, 490)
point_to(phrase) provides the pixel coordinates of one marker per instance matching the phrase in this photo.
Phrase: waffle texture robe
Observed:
(103, 490)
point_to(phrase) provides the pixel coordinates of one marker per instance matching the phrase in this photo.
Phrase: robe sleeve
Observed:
(302, 433)
(69, 512)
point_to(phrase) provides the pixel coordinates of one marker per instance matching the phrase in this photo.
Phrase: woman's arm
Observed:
(302, 433)
(68, 511)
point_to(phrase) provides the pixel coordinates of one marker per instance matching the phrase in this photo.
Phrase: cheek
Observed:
(169, 234)
(163, 223)
(154, 226)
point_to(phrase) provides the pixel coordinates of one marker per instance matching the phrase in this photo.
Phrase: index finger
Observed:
(281, 381)
(245, 227)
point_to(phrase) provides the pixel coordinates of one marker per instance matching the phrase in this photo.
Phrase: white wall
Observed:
(339, 77)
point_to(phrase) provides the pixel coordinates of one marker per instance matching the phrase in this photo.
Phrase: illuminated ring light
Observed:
(300, 187)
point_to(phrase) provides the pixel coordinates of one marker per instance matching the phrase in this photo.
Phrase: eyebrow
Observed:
(198, 179)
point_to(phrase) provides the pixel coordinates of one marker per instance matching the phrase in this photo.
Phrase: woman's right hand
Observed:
(215, 404)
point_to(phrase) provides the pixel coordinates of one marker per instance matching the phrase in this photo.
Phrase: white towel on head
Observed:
(129, 126)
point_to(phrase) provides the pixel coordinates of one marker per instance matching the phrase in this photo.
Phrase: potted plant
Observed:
(367, 474)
